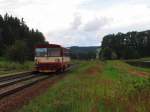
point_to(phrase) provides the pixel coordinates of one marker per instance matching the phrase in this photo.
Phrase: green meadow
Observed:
(95, 86)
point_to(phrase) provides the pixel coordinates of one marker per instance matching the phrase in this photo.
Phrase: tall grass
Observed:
(95, 87)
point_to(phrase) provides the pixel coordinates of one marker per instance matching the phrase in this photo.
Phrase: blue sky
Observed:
(80, 22)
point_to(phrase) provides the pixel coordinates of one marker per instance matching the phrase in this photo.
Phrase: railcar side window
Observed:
(54, 52)
(40, 52)
(66, 54)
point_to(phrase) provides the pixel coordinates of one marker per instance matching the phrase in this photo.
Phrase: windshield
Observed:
(50, 52)
(54, 52)
(40, 52)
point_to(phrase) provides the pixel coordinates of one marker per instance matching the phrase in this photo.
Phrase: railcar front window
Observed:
(40, 52)
(54, 52)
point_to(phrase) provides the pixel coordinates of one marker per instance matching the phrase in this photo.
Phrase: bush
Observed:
(108, 53)
(17, 52)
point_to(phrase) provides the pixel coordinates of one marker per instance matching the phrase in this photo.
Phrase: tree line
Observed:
(83, 53)
(17, 40)
(126, 46)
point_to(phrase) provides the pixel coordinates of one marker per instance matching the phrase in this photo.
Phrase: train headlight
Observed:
(36, 61)
(57, 60)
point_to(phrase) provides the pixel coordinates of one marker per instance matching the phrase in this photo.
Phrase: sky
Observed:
(80, 22)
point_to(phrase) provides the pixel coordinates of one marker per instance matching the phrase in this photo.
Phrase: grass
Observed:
(96, 86)
(7, 67)
(146, 59)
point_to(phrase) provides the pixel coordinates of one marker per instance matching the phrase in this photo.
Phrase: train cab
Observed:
(51, 58)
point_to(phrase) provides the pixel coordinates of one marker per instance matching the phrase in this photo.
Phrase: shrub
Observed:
(108, 53)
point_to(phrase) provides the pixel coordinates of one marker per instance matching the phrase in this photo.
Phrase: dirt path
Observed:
(94, 70)
(139, 73)
(17, 100)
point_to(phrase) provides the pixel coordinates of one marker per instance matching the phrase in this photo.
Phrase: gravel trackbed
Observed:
(17, 100)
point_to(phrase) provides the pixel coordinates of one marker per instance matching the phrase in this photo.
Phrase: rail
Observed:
(13, 83)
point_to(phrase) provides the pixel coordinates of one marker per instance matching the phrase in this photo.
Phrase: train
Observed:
(51, 58)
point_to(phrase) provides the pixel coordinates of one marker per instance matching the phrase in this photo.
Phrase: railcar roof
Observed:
(48, 46)
(51, 46)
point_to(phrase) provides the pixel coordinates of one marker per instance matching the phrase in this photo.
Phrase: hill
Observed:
(84, 53)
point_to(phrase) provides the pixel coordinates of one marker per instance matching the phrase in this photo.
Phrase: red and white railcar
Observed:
(51, 58)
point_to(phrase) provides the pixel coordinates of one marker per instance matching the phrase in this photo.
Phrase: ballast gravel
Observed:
(15, 101)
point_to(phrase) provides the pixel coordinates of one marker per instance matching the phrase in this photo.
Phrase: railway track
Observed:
(11, 84)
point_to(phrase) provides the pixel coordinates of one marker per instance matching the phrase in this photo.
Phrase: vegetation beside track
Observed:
(142, 62)
(8, 67)
(140, 59)
(95, 86)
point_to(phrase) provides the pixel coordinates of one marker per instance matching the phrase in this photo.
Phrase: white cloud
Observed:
(76, 22)
(79, 33)
(96, 24)
(80, 22)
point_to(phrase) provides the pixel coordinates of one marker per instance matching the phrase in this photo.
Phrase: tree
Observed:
(127, 46)
(106, 53)
(12, 29)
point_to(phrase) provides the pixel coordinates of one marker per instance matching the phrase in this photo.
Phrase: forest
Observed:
(17, 40)
(130, 45)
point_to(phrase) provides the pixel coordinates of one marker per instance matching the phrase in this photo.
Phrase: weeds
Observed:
(110, 89)
(9, 67)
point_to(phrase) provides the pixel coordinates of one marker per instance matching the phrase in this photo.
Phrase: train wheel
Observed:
(58, 71)
(61, 70)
